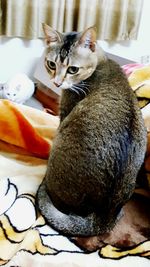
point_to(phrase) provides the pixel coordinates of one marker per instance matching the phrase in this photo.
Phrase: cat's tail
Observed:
(69, 224)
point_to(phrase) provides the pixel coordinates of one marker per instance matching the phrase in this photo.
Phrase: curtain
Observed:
(114, 19)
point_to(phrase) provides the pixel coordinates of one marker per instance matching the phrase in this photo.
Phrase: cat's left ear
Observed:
(51, 35)
(88, 38)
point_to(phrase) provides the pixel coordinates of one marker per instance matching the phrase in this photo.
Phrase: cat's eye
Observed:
(51, 65)
(73, 70)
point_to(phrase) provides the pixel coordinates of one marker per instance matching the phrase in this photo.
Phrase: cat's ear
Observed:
(88, 38)
(51, 35)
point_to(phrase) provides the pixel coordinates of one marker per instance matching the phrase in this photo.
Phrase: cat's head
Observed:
(70, 58)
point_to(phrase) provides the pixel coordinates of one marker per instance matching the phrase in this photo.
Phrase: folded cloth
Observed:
(17, 130)
(139, 80)
(129, 68)
(25, 238)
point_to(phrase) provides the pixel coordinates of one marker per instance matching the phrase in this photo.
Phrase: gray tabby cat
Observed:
(101, 141)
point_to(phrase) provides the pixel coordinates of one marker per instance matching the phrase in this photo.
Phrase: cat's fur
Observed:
(101, 141)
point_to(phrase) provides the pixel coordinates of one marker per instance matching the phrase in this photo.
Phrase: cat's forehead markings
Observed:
(56, 58)
(65, 61)
(64, 53)
(69, 40)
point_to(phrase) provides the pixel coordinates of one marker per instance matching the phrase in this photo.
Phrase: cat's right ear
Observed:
(88, 38)
(51, 35)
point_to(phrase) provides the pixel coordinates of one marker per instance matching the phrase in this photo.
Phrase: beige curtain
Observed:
(114, 19)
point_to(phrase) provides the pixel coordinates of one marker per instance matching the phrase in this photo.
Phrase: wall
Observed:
(18, 55)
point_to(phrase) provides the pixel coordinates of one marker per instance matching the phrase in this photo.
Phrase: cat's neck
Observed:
(106, 70)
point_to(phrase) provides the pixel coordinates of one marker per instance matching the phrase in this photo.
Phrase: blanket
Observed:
(26, 137)
(139, 80)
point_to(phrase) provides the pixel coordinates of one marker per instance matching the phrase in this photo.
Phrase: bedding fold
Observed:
(16, 128)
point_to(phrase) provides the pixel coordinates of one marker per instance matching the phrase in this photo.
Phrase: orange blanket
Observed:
(18, 127)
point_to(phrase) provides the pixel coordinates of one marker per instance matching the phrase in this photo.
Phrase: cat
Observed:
(18, 89)
(101, 140)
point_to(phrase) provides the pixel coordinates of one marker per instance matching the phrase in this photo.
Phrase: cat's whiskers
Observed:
(74, 90)
(84, 85)
(86, 88)
(84, 82)
(79, 89)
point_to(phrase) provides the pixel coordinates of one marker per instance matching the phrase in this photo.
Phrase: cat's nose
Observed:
(57, 84)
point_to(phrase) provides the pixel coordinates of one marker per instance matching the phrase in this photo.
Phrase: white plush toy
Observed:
(18, 89)
(2, 85)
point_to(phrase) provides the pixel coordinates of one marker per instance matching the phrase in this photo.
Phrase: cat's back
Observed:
(110, 107)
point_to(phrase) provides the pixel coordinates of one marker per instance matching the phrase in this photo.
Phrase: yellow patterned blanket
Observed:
(25, 239)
